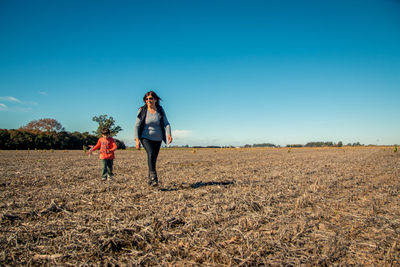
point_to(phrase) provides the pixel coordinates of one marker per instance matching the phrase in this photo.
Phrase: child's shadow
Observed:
(195, 185)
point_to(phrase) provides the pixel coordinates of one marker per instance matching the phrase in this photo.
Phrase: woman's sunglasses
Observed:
(149, 98)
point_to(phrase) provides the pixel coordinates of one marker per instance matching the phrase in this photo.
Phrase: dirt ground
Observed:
(214, 207)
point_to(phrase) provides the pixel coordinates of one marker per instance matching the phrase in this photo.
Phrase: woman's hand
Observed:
(137, 144)
(169, 139)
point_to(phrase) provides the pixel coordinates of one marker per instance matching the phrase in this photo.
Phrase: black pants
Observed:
(152, 148)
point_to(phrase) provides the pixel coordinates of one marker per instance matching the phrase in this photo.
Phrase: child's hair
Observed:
(105, 131)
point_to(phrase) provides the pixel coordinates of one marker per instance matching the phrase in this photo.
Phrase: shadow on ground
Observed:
(196, 185)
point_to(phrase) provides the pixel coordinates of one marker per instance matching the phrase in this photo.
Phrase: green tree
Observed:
(106, 122)
(21, 139)
(43, 141)
(4, 139)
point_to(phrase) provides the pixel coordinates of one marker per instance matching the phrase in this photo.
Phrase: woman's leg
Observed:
(152, 148)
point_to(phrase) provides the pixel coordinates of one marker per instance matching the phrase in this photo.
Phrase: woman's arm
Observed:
(136, 130)
(167, 129)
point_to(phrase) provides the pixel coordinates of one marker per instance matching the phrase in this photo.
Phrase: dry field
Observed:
(214, 207)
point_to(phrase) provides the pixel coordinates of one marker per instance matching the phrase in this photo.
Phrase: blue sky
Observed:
(229, 72)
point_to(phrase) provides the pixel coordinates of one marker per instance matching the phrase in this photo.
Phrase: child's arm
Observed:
(93, 148)
(97, 146)
(113, 146)
(89, 152)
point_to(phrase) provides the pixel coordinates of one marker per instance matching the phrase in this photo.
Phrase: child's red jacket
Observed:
(107, 147)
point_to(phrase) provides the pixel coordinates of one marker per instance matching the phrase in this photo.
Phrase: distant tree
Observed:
(340, 144)
(120, 144)
(43, 126)
(294, 145)
(21, 139)
(64, 140)
(4, 139)
(321, 144)
(354, 144)
(264, 145)
(106, 122)
(44, 141)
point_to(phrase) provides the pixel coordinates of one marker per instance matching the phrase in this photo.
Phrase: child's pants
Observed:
(107, 168)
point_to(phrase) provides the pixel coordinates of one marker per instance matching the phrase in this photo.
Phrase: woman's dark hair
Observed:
(154, 95)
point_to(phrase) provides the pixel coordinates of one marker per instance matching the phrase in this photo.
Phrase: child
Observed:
(107, 147)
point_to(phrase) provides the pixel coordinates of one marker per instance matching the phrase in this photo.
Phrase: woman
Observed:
(151, 128)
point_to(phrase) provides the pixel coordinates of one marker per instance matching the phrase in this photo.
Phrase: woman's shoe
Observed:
(153, 179)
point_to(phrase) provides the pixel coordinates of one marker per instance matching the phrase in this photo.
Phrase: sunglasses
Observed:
(149, 98)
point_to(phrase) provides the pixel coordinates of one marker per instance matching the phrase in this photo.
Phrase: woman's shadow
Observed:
(196, 185)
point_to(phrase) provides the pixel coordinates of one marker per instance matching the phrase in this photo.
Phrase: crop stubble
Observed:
(217, 207)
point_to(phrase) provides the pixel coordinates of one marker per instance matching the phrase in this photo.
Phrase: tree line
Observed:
(309, 144)
(325, 144)
(49, 134)
(261, 145)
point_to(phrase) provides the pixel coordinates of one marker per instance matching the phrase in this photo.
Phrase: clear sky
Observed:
(229, 72)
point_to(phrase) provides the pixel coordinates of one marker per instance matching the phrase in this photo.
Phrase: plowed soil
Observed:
(214, 207)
